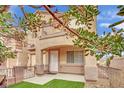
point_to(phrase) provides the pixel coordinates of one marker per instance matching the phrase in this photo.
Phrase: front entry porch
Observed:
(48, 77)
(63, 59)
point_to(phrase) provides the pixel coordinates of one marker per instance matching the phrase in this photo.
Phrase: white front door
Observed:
(53, 66)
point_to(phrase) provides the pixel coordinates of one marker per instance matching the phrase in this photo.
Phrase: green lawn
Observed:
(56, 83)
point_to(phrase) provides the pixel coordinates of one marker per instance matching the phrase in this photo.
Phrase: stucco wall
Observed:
(65, 67)
(74, 26)
(11, 62)
(22, 57)
(61, 40)
(51, 42)
(117, 62)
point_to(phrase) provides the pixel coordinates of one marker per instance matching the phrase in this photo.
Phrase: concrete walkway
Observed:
(48, 77)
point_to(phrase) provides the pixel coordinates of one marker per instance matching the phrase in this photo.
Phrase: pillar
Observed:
(39, 62)
(91, 71)
(19, 73)
(22, 57)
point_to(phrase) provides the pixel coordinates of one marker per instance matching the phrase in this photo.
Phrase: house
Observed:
(52, 52)
(17, 48)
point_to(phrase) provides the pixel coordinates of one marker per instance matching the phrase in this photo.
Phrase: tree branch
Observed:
(34, 6)
(3, 35)
(22, 9)
(117, 23)
(60, 22)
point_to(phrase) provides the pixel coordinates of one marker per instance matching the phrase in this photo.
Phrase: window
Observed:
(70, 57)
(75, 57)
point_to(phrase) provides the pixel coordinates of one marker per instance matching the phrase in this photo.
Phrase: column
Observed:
(91, 71)
(39, 62)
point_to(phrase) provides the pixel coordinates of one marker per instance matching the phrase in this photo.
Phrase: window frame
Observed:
(74, 62)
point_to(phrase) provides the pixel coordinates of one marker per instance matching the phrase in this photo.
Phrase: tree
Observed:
(7, 31)
(120, 13)
(110, 44)
(94, 45)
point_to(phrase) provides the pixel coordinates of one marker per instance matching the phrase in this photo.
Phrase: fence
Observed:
(29, 72)
(17, 74)
(9, 72)
(112, 76)
(107, 76)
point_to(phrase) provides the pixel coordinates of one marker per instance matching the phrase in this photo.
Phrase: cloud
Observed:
(121, 26)
(105, 25)
(108, 15)
(12, 8)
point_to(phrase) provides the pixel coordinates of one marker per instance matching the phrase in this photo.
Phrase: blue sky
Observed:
(106, 17)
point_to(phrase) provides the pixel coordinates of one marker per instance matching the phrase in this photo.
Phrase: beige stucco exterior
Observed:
(36, 53)
(64, 43)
